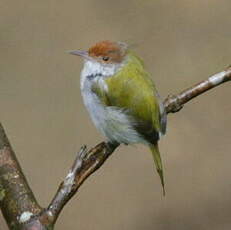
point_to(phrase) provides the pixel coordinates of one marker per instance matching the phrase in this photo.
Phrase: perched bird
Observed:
(121, 98)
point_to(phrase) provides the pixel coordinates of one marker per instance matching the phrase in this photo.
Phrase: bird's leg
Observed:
(112, 144)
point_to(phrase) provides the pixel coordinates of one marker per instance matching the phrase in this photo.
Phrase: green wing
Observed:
(132, 89)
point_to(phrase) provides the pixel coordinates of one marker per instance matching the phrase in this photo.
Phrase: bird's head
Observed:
(104, 52)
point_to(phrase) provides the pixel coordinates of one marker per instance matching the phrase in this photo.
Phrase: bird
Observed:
(121, 97)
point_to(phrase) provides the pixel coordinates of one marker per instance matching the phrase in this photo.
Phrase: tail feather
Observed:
(158, 163)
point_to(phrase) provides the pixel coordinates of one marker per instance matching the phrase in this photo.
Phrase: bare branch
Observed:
(17, 201)
(84, 165)
(175, 103)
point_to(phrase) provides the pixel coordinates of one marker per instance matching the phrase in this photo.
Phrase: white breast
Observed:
(112, 122)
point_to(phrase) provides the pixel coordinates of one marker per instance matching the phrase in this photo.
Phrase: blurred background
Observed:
(182, 42)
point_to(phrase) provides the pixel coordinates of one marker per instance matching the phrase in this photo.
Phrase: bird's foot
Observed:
(112, 144)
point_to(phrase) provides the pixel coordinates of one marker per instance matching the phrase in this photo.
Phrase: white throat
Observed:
(93, 69)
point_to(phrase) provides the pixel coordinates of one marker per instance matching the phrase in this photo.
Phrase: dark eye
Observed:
(105, 58)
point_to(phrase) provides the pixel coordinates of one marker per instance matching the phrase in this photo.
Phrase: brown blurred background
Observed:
(182, 42)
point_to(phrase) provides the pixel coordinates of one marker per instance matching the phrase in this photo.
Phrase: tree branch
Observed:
(175, 103)
(17, 201)
(86, 163)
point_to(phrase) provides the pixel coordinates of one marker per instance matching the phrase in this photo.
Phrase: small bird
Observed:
(121, 98)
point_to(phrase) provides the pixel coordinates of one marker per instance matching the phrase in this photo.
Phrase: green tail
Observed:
(158, 163)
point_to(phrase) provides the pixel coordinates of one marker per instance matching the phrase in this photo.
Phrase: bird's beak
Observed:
(81, 53)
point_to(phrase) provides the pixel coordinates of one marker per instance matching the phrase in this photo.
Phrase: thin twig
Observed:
(175, 103)
(85, 164)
